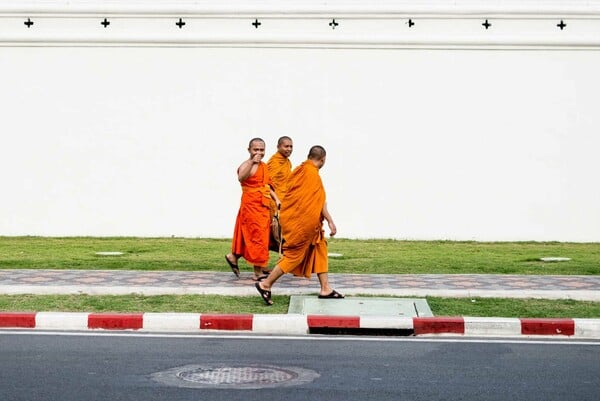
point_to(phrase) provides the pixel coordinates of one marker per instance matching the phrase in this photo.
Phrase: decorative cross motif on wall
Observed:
(466, 24)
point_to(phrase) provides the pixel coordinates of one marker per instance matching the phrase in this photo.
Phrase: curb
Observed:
(295, 324)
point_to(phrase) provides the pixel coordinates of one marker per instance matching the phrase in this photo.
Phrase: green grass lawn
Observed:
(484, 307)
(359, 256)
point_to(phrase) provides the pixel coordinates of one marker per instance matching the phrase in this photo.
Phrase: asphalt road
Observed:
(124, 366)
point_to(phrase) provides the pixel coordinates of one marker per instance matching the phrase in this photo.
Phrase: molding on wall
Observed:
(392, 24)
(302, 7)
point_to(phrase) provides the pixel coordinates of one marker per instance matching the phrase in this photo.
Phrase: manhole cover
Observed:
(234, 376)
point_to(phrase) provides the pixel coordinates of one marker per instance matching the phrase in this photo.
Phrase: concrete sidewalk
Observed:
(113, 282)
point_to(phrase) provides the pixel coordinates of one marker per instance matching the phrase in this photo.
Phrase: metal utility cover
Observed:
(359, 306)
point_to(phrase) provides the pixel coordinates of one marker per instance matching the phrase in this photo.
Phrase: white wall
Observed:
(430, 135)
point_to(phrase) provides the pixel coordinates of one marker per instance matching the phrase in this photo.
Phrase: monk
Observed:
(252, 225)
(280, 168)
(302, 215)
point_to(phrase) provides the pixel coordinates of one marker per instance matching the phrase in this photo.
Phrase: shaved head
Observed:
(255, 140)
(317, 152)
(283, 139)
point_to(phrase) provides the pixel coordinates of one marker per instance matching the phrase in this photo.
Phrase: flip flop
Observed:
(234, 268)
(332, 295)
(264, 294)
(261, 278)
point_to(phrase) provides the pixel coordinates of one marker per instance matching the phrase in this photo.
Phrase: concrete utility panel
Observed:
(359, 306)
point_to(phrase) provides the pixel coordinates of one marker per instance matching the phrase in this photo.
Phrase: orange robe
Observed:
(252, 226)
(304, 246)
(280, 169)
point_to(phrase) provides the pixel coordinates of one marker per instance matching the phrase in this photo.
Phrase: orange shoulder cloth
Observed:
(301, 217)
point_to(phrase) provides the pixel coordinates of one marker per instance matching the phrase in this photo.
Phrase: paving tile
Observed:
(364, 282)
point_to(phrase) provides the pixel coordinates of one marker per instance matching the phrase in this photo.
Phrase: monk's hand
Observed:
(255, 159)
(332, 228)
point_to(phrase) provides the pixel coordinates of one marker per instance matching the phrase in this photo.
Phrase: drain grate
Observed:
(234, 376)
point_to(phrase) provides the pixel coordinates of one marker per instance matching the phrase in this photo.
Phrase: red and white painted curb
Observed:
(301, 324)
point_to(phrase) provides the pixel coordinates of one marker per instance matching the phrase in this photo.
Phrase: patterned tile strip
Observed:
(217, 279)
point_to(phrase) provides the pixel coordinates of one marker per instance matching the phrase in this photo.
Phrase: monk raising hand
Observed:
(252, 225)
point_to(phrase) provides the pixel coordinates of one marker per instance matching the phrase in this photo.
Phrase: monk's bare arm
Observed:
(330, 223)
(247, 168)
(275, 198)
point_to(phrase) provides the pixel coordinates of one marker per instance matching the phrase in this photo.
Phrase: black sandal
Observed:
(264, 294)
(234, 268)
(332, 295)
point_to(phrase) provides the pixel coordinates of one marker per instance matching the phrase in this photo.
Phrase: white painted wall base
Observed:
(456, 132)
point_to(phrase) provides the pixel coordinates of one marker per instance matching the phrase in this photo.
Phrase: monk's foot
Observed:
(264, 294)
(234, 267)
(260, 273)
(332, 295)
(261, 277)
